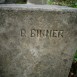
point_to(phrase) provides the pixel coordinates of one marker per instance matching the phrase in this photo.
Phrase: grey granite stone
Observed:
(37, 40)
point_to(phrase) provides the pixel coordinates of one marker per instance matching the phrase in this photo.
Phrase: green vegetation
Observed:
(50, 2)
(71, 3)
(75, 57)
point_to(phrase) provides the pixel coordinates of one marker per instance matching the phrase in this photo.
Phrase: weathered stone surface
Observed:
(37, 41)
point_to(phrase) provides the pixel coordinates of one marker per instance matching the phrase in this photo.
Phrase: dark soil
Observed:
(73, 70)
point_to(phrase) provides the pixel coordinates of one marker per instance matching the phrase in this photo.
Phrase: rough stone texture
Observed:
(40, 55)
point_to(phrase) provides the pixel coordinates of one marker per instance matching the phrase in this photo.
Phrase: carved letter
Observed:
(33, 33)
(23, 32)
(55, 33)
(60, 33)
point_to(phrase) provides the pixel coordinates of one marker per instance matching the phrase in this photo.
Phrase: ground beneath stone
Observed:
(73, 70)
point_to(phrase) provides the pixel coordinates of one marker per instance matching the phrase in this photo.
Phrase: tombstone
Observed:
(37, 1)
(37, 40)
(2, 1)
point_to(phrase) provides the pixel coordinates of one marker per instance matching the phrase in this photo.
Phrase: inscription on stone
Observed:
(42, 33)
(37, 40)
